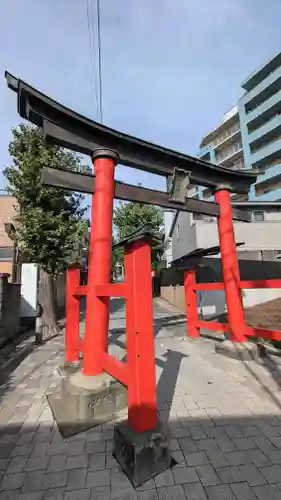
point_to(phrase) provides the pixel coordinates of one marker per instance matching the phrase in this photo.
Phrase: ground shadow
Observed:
(217, 457)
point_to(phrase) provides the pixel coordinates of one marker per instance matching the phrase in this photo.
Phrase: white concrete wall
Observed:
(255, 235)
(212, 302)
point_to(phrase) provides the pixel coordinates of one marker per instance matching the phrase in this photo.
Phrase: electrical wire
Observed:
(94, 41)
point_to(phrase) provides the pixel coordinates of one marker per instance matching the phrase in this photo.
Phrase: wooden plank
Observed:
(85, 183)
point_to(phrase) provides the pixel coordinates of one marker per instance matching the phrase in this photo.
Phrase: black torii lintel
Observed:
(72, 130)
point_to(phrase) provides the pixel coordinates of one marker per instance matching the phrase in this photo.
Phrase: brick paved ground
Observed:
(225, 421)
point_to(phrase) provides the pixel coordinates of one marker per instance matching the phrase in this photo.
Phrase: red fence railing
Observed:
(192, 317)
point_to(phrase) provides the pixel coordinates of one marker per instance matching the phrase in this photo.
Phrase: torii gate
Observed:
(141, 444)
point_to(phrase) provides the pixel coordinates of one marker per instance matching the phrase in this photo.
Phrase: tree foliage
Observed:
(128, 217)
(49, 223)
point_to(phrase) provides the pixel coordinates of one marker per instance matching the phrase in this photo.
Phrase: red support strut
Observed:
(142, 400)
(99, 267)
(191, 303)
(230, 268)
(72, 309)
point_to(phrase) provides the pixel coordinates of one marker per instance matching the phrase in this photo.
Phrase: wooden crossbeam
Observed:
(85, 183)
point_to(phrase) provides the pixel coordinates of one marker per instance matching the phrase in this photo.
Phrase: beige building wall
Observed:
(7, 212)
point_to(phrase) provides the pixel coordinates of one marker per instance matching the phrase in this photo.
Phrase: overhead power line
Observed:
(95, 54)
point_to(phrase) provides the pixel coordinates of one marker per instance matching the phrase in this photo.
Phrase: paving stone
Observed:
(40, 449)
(233, 431)
(179, 458)
(207, 475)
(12, 481)
(217, 458)
(185, 475)
(25, 438)
(237, 458)
(97, 461)
(56, 463)
(194, 491)
(174, 444)
(274, 456)
(10, 495)
(36, 463)
(272, 474)
(257, 458)
(188, 445)
(197, 432)
(78, 495)
(242, 491)
(244, 444)
(54, 494)
(6, 450)
(197, 458)
(4, 462)
(100, 493)
(97, 446)
(220, 492)
(263, 443)
(230, 474)
(267, 492)
(225, 444)
(250, 431)
(207, 444)
(76, 462)
(17, 464)
(97, 478)
(165, 478)
(76, 479)
(148, 485)
(33, 481)
(75, 448)
(171, 493)
(251, 474)
(54, 479)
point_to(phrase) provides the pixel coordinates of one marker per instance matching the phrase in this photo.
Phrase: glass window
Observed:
(6, 253)
(258, 216)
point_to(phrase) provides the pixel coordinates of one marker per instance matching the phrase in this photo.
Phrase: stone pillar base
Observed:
(142, 455)
(82, 402)
(245, 351)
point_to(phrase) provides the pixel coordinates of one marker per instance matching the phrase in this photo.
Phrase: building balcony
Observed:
(231, 158)
(269, 126)
(264, 107)
(227, 141)
(269, 184)
(262, 87)
(267, 155)
(261, 73)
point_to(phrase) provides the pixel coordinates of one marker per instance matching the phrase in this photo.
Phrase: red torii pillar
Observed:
(230, 268)
(99, 266)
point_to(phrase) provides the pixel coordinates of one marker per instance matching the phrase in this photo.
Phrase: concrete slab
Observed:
(82, 402)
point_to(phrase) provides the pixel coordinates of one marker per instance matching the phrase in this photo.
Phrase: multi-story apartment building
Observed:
(249, 136)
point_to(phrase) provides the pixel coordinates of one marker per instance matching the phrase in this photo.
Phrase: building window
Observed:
(257, 216)
(6, 253)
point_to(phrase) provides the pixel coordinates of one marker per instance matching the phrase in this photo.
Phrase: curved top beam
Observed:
(74, 131)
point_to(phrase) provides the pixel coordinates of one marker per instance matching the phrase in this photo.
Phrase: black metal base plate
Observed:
(142, 455)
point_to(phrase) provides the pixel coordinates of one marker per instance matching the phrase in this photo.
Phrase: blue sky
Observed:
(171, 68)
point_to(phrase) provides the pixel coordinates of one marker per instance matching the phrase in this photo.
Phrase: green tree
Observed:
(128, 217)
(49, 222)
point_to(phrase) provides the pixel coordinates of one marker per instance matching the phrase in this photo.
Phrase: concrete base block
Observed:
(142, 455)
(245, 351)
(81, 402)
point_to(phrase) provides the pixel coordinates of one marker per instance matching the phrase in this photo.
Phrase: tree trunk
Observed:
(47, 300)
